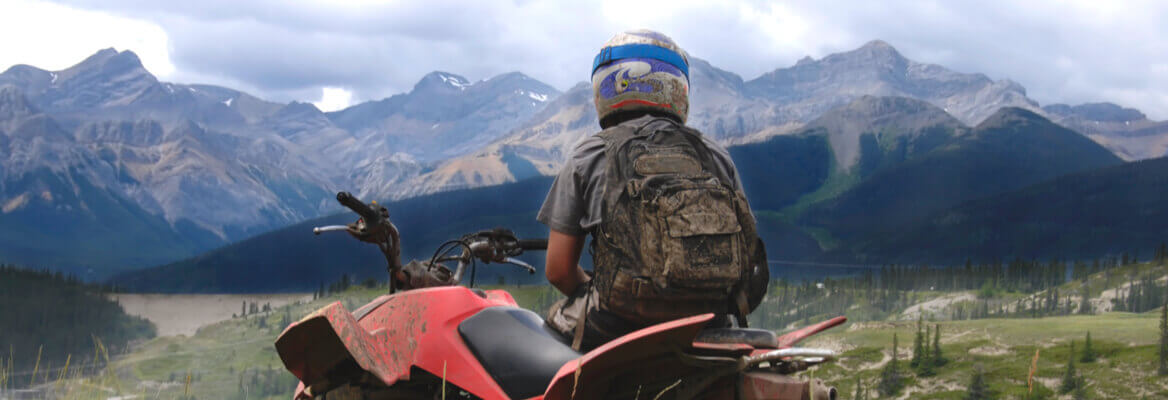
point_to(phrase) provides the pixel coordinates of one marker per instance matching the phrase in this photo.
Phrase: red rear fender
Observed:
(794, 337)
(316, 344)
(594, 368)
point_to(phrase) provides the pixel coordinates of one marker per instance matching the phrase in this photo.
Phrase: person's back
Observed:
(672, 233)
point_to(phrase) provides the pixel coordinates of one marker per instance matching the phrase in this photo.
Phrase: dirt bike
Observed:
(432, 338)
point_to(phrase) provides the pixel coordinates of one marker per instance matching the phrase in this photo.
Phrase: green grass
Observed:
(1125, 342)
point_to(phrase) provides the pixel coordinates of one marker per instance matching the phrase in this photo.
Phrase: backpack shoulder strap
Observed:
(616, 137)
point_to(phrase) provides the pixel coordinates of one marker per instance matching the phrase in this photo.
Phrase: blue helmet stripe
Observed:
(609, 54)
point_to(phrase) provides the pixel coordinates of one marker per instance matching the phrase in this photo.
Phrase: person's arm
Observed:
(563, 256)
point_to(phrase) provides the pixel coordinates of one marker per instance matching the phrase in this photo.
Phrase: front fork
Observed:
(772, 386)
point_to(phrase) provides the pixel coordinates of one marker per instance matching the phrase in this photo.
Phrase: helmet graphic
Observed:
(640, 72)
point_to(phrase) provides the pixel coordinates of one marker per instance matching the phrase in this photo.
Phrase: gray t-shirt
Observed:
(573, 203)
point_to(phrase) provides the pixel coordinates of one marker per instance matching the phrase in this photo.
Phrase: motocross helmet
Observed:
(640, 72)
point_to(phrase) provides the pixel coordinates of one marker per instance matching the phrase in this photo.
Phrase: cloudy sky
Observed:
(339, 52)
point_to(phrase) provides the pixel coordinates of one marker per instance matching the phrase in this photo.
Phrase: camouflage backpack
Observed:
(675, 238)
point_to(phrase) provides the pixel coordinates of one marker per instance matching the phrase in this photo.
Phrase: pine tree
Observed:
(1080, 392)
(1085, 294)
(938, 359)
(918, 345)
(928, 334)
(890, 378)
(1088, 355)
(1163, 370)
(1070, 377)
(978, 389)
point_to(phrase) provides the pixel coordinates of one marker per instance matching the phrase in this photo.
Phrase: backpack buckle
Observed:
(633, 187)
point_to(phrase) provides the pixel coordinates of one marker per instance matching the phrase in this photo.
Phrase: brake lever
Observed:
(530, 269)
(330, 228)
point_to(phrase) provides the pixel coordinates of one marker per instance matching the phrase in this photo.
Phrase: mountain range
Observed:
(186, 168)
(921, 182)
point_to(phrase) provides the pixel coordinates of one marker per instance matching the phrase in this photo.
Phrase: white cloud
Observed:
(1061, 51)
(333, 99)
(54, 37)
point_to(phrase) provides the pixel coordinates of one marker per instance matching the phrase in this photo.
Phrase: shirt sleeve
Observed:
(564, 206)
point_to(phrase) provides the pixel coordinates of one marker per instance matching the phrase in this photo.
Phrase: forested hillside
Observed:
(294, 259)
(1106, 211)
(1012, 149)
(49, 319)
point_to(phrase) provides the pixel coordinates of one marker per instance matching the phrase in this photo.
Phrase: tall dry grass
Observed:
(92, 380)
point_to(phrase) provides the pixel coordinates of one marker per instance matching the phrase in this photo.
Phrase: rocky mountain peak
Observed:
(876, 53)
(702, 73)
(104, 63)
(441, 81)
(511, 76)
(518, 80)
(297, 108)
(878, 45)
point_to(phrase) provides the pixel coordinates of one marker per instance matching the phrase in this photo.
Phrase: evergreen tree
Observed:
(1080, 392)
(918, 345)
(938, 359)
(1088, 355)
(978, 388)
(1070, 377)
(928, 334)
(891, 380)
(1163, 370)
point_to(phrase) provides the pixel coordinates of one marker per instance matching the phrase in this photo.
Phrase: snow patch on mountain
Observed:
(455, 81)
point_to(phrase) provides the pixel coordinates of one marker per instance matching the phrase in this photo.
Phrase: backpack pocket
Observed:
(701, 245)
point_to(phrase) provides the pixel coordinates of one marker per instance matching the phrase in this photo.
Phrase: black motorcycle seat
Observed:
(517, 348)
(759, 338)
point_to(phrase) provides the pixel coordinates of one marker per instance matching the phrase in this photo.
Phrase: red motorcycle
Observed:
(431, 338)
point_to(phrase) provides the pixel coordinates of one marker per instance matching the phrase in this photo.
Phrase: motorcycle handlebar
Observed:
(371, 216)
(533, 244)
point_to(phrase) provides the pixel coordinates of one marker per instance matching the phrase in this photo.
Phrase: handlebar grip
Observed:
(533, 244)
(346, 199)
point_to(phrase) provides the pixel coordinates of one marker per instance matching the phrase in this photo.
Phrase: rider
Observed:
(694, 251)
